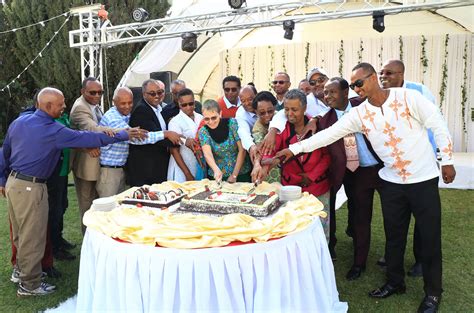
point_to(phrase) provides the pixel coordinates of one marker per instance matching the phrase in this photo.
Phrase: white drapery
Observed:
(292, 274)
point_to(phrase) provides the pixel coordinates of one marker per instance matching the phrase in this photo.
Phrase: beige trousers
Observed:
(86, 193)
(111, 181)
(28, 209)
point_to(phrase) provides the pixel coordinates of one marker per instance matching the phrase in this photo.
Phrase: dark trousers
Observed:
(58, 202)
(422, 200)
(360, 187)
(332, 219)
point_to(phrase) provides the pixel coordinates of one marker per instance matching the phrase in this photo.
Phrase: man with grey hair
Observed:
(31, 151)
(148, 163)
(113, 157)
(172, 109)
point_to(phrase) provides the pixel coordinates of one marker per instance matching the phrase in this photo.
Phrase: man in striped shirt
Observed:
(113, 157)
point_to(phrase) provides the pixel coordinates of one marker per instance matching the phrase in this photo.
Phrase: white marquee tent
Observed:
(437, 49)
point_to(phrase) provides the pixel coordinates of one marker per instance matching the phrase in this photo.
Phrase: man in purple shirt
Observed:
(31, 151)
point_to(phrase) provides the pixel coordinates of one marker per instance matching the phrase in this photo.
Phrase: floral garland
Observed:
(253, 65)
(306, 58)
(361, 49)
(380, 55)
(239, 66)
(444, 77)
(423, 58)
(226, 60)
(283, 60)
(272, 65)
(340, 52)
(400, 43)
(322, 57)
(464, 90)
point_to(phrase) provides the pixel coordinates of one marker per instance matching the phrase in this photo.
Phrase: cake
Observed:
(226, 202)
(144, 196)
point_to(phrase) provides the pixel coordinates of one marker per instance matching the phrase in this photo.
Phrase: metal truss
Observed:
(246, 18)
(89, 39)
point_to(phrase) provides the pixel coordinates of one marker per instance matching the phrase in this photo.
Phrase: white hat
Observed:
(316, 70)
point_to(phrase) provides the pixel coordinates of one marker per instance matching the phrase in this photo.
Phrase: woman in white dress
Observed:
(183, 163)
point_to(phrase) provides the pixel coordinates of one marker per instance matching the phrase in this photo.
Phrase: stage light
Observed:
(140, 15)
(288, 26)
(189, 43)
(378, 22)
(236, 4)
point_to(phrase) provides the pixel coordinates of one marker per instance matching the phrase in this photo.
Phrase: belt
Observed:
(28, 178)
(112, 166)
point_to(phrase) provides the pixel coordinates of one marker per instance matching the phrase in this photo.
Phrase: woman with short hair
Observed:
(221, 146)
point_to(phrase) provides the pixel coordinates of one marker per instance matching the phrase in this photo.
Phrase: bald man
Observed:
(113, 157)
(31, 150)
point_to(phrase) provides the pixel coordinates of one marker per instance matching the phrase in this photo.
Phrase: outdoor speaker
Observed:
(166, 77)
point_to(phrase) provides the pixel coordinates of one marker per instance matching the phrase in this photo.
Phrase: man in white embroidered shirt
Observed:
(396, 121)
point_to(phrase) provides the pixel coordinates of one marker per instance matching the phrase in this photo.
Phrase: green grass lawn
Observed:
(458, 256)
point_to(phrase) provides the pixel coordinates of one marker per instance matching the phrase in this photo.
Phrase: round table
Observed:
(294, 273)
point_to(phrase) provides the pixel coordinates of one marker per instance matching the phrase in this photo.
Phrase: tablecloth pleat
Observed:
(292, 274)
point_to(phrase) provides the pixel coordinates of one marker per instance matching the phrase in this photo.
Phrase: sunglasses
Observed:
(387, 73)
(154, 94)
(280, 82)
(184, 105)
(233, 89)
(96, 92)
(320, 80)
(263, 113)
(213, 118)
(359, 83)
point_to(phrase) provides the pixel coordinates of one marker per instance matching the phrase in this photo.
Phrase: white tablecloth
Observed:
(290, 274)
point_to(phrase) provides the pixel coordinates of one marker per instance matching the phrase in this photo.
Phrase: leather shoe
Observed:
(66, 245)
(64, 255)
(416, 270)
(381, 262)
(355, 272)
(52, 272)
(429, 304)
(387, 290)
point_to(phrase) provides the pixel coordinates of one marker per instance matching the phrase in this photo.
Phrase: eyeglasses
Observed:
(359, 83)
(387, 73)
(263, 113)
(320, 80)
(233, 89)
(154, 94)
(96, 92)
(183, 105)
(212, 118)
(280, 82)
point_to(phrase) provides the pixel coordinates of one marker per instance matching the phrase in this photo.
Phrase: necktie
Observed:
(98, 113)
(352, 156)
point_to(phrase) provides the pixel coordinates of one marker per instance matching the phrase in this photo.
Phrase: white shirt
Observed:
(228, 104)
(245, 120)
(184, 125)
(398, 134)
(157, 111)
(316, 108)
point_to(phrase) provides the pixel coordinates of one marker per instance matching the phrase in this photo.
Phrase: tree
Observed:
(59, 65)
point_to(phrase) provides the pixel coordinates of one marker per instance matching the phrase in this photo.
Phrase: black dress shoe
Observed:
(63, 255)
(66, 245)
(429, 304)
(355, 272)
(381, 262)
(416, 270)
(387, 290)
(52, 272)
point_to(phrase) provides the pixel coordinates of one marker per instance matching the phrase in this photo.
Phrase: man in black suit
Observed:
(358, 172)
(148, 164)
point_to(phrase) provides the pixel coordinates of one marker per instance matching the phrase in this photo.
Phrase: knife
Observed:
(253, 188)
